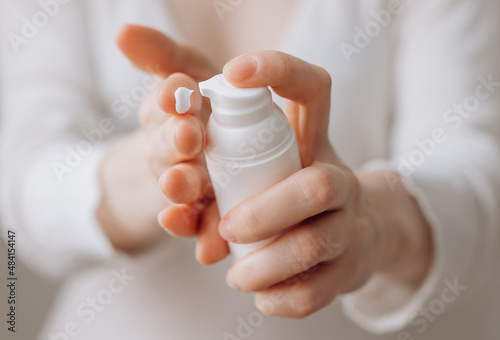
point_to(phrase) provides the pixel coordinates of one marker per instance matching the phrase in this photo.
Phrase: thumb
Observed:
(154, 52)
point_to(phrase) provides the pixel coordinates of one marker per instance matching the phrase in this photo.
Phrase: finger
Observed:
(154, 52)
(290, 77)
(166, 95)
(185, 182)
(316, 241)
(210, 248)
(307, 86)
(161, 104)
(179, 139)
(303, 295)
(181, 220)
(305, 193)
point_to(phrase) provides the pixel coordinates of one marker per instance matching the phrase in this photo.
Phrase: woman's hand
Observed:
(347, 226)
(165, 153)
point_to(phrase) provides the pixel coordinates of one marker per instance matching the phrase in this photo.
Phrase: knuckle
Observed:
(243, 275)
(354, 184)
(248, 222)
(325, 78)
(166, 137)
(279, 62)
(156, 155)
(305, 303)
(266, 304)
(286, 63)
(319, 189)
(162, 147)
(308, 250)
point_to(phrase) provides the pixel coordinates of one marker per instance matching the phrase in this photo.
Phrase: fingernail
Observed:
(226, 232)
(231, 281)
(241, 68)
(160, 218)
(160, 181)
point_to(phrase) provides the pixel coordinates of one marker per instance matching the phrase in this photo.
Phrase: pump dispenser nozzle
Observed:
(236, 106)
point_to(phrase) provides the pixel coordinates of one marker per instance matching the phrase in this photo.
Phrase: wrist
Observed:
(404, 244)
(130, 197)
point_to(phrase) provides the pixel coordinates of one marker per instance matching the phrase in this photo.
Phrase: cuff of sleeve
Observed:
(58, 201)
(384, 304)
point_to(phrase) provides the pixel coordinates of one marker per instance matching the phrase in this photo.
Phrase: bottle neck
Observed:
(241, 118)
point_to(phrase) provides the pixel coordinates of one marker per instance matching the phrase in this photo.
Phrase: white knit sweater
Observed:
(416, 87)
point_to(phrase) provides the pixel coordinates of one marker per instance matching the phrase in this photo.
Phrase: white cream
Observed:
(183, 99)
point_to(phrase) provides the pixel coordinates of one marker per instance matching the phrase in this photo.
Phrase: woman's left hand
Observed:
(340, 235)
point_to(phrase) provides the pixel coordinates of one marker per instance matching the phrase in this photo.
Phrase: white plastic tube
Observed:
(250, 146)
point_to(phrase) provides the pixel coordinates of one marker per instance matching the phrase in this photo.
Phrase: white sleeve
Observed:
(52, 137)
(446, 146)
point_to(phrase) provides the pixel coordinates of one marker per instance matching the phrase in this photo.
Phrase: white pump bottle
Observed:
(250, 146)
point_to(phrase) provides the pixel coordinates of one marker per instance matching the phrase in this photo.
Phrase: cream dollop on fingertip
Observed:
(183, 100)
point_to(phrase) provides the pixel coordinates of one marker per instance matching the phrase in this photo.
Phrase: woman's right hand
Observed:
(166, 150)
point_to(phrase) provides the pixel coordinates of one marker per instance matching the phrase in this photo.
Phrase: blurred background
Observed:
(36, 297)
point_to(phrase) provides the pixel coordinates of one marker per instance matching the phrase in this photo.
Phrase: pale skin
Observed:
(349, 224)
